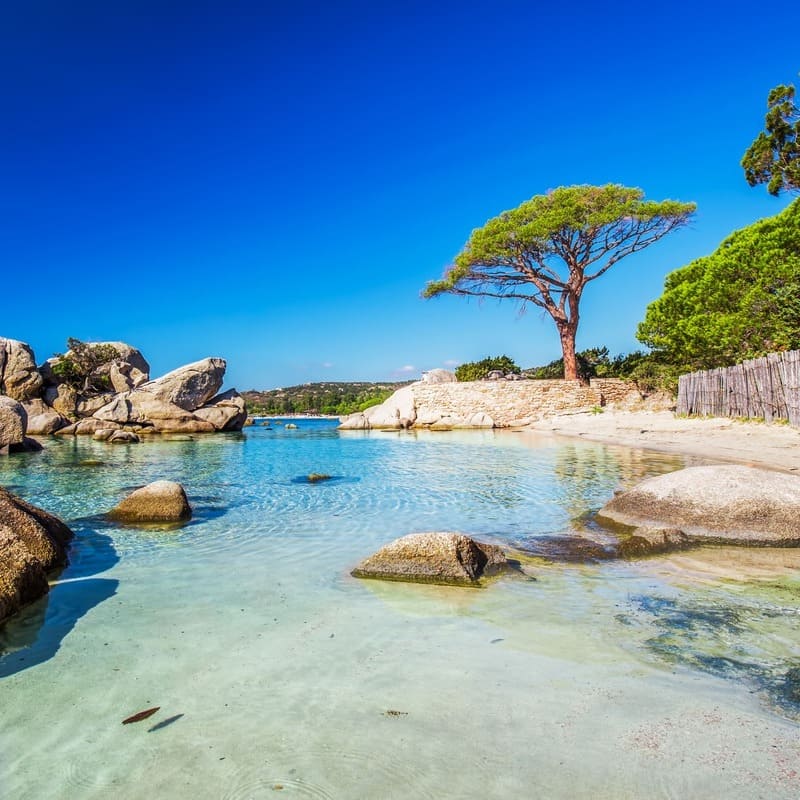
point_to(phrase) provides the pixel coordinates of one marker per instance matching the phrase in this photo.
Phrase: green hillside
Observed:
(329, 397)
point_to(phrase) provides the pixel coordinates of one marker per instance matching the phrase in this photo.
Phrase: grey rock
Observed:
(438, 376)
(436, 557)
(32, 543)
(86, 427)
(129, 362)
(13, 422)
(395, 413)
(123, 437)
(646, 541)
(86, 406)
(160, 501)
(723, 503)
(187, 387)
(19, 377)
(22, 577)
(226, 411)
(63, 399)
(42, 420)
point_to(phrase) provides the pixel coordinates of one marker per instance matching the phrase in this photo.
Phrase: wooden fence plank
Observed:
(762, 388)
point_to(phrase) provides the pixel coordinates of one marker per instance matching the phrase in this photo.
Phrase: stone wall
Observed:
(510, 403)
(487, 404)
(614, 390)
(507, 403)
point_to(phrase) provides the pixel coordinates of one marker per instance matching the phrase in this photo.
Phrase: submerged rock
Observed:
(32, 543)
(160, 501)
(123, 437)
(723, 503)
(447, 558)
(645, 541)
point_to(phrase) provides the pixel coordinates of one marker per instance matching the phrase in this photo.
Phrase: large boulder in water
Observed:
(448, 558)
(160, 501)
(723, 503)
(187, 387)
(19, 377)
(32, 543)
(169, 403)
(164, 417)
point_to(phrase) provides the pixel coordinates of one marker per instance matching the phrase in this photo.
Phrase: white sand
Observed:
(757, 444)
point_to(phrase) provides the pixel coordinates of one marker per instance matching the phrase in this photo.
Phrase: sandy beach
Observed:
(758, 444)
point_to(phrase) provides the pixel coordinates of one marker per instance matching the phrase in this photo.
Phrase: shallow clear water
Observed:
(275, 671)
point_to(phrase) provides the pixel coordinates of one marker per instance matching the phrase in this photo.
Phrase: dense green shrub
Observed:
(478, 370)
(644, 369)
(592, 363)
(742, 301)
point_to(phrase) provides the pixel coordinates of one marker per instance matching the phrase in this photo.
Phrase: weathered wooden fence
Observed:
(767, 388)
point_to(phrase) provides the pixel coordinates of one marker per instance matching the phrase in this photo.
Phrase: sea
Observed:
(276, 674)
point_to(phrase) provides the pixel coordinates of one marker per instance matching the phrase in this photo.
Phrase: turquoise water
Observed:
(277, 674)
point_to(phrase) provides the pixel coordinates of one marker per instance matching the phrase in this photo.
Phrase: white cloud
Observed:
(327, 364)
(405, 370)
(451, 362)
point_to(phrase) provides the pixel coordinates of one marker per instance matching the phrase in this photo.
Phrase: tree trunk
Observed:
(567, 332)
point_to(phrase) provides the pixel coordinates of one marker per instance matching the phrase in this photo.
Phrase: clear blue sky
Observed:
(274, 183)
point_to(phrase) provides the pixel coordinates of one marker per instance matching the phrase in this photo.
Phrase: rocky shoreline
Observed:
(42, 401)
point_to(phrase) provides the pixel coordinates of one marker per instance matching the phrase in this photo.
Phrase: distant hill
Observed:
(328, 397)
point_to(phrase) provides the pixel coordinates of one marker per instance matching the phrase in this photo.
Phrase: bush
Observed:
(647, 370)
(79, 367)
(592, 363)
(478, 370)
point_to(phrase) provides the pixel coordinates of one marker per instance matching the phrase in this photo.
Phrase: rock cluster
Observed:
(724, 503)
(39, 402)
(32, 543)
(446, 558)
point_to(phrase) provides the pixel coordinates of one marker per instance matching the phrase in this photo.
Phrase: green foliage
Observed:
(80, 366)
(639, 367)
(547, 249)
(742, 301)
(335, 398)
(774, 157)
(592, 363)
(478, 370)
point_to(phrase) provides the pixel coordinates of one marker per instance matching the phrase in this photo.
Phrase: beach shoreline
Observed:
(770, 446)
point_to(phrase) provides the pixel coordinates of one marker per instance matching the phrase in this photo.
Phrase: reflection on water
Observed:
(275, 671)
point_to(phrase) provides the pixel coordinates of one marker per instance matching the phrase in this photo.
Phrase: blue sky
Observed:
(275, 183)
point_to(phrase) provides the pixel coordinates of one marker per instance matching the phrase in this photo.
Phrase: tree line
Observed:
(336, 398)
